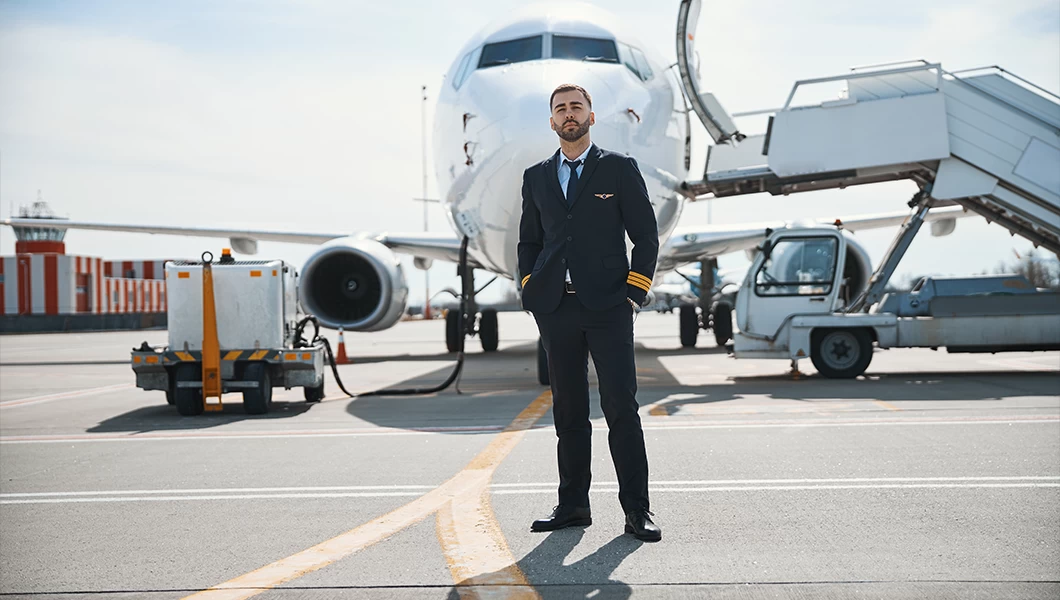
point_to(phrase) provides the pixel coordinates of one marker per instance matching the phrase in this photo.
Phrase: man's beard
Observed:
(573, 135)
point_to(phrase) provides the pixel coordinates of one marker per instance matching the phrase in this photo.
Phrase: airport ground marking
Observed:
(886, 405)
(471, 481)
(64, 395)
(683, 425)
(478, 556)
(476, 506)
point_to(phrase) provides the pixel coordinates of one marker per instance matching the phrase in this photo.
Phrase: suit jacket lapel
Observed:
(587, 171)
(553, 179)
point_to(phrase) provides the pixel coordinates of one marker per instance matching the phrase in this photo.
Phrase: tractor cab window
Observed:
(798, 267)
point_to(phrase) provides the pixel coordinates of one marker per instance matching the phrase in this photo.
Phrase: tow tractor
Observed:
(233, 326)
(794, 304)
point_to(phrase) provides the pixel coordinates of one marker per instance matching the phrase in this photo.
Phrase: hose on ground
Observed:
(319, 340)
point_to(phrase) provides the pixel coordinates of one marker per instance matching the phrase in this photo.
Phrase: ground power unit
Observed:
(233, 327)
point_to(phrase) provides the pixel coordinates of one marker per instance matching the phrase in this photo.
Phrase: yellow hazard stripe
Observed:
(185, 356)
(524, 280)
(260, 354)
(233, 355)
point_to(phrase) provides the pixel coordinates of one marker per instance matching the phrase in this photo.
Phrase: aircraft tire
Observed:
(187, 400)
(454, 339)
(722, 323)
(488, 330)
(689, 322)
(542, 364)
(841, 353)
(257, 401)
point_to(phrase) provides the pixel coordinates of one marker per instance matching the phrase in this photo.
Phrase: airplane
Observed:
(491, 123)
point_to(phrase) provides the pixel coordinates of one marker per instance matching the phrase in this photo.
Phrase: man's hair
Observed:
(569, 87)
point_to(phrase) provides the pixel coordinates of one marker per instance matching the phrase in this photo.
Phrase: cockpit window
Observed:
(579, 48)
(635, 61)
(642, 65)
(460, 74)
(511, 51)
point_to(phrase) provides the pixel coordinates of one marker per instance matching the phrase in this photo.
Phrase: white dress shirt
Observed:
(564, 176)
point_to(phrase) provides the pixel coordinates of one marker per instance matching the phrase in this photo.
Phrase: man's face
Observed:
(571, 116)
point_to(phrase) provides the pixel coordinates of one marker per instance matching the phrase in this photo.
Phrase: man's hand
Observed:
(632, 303)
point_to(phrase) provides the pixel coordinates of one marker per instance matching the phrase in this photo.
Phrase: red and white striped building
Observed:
(41, 279)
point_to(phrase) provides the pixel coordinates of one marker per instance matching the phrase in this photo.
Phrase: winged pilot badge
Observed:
(603, 196)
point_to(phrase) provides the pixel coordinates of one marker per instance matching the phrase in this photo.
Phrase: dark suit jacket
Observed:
(589, 237)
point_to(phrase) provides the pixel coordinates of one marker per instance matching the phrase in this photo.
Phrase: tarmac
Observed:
(933, 476)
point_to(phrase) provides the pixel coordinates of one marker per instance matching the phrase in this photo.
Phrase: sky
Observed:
(305, 115)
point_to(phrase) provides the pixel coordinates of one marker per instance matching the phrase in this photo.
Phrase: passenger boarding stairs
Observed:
(985, 139)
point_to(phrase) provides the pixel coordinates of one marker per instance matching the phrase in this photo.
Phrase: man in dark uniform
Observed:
(578, 207)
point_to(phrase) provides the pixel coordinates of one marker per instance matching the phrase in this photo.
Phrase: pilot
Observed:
(578, 206)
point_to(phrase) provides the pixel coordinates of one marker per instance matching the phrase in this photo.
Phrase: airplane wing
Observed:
(438, 246)
(688, 245)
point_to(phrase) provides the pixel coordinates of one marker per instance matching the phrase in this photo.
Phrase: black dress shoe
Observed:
(639, 523)
(564, 516)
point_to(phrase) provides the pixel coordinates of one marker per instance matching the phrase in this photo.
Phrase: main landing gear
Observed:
(461, 322)
(718, 319)
(708, 313)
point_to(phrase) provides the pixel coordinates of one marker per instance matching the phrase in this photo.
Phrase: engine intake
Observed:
(355, 284)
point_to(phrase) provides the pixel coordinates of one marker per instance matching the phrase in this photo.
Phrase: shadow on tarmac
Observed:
(590, 577)
(495, 387)
(163, 417)
(925, 386)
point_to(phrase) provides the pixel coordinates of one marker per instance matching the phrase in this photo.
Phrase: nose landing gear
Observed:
(461, 322)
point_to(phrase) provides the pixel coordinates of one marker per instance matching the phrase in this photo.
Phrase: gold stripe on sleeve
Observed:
(638, 283)
(635, 275)
(524, 280)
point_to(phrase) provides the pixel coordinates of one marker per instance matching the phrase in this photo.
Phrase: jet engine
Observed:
(356, 284)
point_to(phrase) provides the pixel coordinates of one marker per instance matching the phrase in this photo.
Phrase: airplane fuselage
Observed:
(492, 120)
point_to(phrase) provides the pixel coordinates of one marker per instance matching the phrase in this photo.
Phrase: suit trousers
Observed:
(569, 334)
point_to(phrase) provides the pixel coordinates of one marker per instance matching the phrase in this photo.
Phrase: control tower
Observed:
(39, 239)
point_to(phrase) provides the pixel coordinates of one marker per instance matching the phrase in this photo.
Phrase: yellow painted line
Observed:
(886, 405)
(258, 355)
(471, 538)
(468, 483)
(185, 356)
(660, 410)
(479, 559)
(233, 354)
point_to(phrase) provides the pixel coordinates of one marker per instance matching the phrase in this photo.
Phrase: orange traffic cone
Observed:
(342, 359)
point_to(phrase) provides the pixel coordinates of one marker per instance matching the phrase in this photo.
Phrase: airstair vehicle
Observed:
(984, 139)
